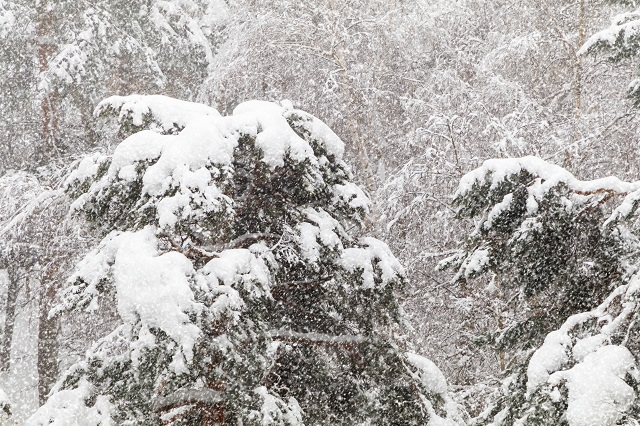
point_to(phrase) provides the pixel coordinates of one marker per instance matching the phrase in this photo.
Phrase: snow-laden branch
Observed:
(38, 203)
(497, 170)
(212, 252)
(186, 396)
(316, 338)
(241, 240)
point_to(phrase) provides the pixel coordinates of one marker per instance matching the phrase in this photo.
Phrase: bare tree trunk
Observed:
(48, 331)
(350, 100)
(577, 69)
(47, 352)
(9, 321)
(48, 328)
(213, 415)
(45, 26)
(578, 59)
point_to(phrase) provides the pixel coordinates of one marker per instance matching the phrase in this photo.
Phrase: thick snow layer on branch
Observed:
(319, 131)
(430, 375)
(151, 288)
(434, 382)
(155, 288)
(236, 269)
(626, 208)
(69, 408)
(625, 25)
(558, 347)
(353, 195)
(474, 263)
(373, 253)
(546, 176)
(168, 113)
(587, 345)
(598, 394)
(321, 228)
(86, 169)
(276, 411)
(549, 358)
(495, 171)
(277, 138)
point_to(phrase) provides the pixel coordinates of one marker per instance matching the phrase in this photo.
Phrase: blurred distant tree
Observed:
(59, 58)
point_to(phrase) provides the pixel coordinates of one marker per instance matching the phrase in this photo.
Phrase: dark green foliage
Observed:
(539, 409)
(553, 261)
(291, 310)
(561, 256)
(620, 42)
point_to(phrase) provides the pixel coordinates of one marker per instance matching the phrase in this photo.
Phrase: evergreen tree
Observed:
(242, 295)
(564, 265)
(528, 218)
(619, 42)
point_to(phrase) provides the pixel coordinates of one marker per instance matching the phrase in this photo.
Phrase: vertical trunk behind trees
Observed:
(48, 328)
(582, 23)
(48, 332)
(10, 317)
(45, 28)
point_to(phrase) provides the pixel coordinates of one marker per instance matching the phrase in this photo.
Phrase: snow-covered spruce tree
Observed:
(619, 41)
(564, 265)
(243, 297)
(541, 241)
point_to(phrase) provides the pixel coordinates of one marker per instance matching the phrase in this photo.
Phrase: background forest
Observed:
(422, 92)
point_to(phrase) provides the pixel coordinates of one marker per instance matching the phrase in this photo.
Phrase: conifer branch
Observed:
(320, 339)
(186, 396)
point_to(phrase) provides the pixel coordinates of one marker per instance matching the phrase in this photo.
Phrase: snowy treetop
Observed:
(514, 196)
(218, 232)
(184, 171)
(190, 152)
(545, 175)
(509, 188)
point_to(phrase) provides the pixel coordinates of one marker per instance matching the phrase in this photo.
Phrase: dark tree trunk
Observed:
(48, 331)
(9, 322)
(47, 352)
